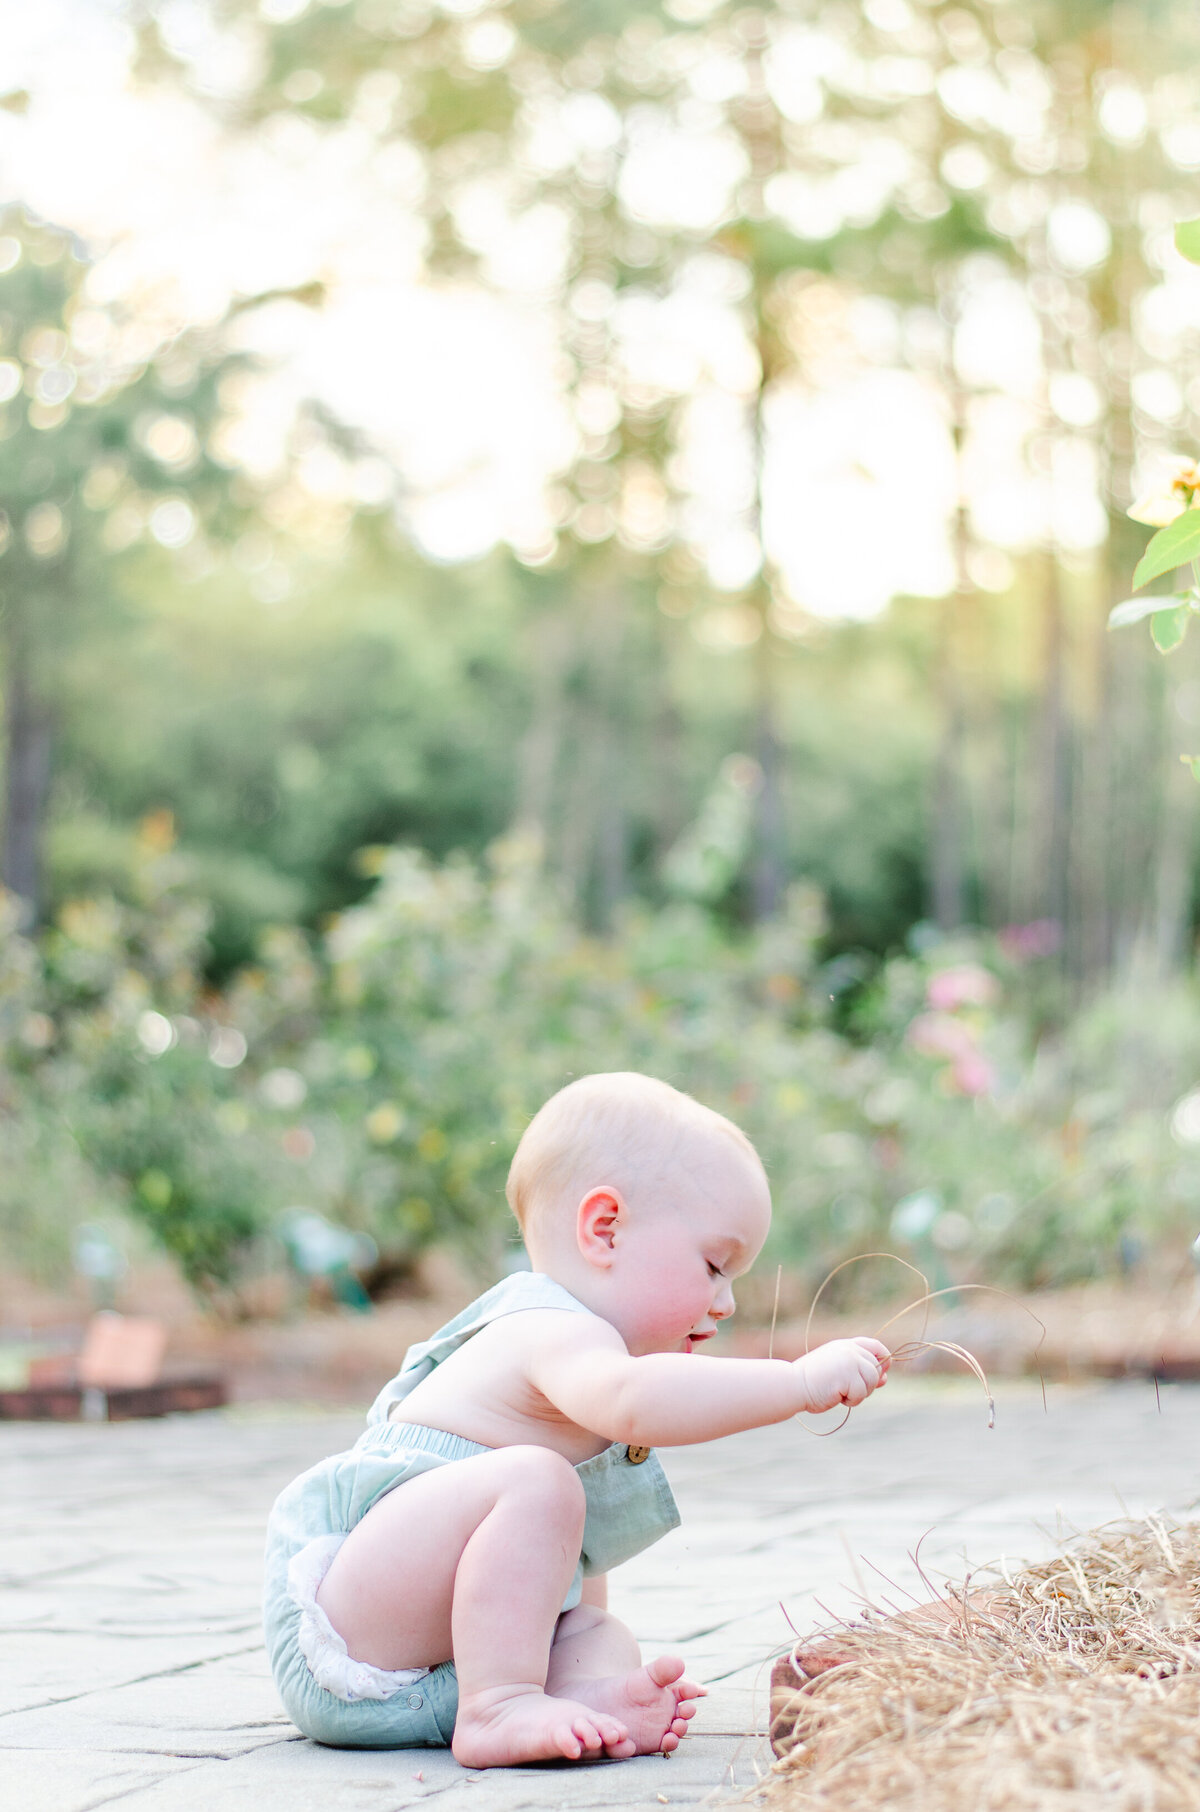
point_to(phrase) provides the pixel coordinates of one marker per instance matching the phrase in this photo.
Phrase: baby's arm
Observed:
(671, 1399)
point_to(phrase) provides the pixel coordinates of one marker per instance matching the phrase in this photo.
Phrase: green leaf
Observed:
(1168, 628)
(1132, 610)
(1171, 547)
(1187, 239)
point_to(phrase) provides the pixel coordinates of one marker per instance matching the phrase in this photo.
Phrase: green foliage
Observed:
(378, 702)
(383, 1078)
(1168, 627)
(105, 430)
(1187, 240)
(154, 1127)
(1136, 610)
(1173, 546)
(248, 687)
(707, 859)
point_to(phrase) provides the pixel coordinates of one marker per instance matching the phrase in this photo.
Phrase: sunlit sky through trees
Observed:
(464, 385)
(555, 534)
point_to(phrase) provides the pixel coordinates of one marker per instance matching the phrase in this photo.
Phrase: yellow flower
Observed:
(384, 1123)
(156, 832)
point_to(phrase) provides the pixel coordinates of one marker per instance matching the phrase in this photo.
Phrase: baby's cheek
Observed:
(677, 1306)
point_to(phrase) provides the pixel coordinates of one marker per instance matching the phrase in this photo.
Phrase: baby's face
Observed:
(685, 1239)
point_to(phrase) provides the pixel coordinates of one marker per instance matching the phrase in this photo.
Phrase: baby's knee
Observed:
(546, 1477)
(583, 1618)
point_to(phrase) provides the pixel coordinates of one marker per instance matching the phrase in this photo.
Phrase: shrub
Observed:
(382, 1076)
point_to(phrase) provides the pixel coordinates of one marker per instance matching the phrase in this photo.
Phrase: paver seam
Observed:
(147, 1633)
(162, 1673)
(64, 1571)
(176, 1755)
(110, 1799)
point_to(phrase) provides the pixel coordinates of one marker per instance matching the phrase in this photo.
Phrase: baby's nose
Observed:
(724, 1305)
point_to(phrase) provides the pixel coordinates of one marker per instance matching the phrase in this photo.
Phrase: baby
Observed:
(469, 1607)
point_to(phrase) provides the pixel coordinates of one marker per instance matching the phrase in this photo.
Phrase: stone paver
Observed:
(131, 1670)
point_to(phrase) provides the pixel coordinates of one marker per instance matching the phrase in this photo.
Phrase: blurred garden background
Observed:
(546, 536)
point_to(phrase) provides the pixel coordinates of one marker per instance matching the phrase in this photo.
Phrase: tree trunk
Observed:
(26, 785)
(1049, 894)
(948, 852)
(667, 811)
(539, 755)
(577, 755)
(1089, 941)
(769, 859)
(614, 731)
(1164, 931)
(947, 863)
(1172, 904)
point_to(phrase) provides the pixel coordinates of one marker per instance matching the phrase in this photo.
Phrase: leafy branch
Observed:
(1175, 513)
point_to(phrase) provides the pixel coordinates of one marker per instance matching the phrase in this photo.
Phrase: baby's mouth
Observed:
(693, 1340)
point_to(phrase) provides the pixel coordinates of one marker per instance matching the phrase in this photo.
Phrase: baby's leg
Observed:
(472, 1562)
(595, 1659)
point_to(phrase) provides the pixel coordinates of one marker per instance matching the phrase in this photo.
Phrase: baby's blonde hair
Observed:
(616, 1128)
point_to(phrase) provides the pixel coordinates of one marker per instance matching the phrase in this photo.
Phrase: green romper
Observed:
(329, 1695)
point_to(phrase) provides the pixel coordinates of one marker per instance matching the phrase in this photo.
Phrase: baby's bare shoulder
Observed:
(539, 1331)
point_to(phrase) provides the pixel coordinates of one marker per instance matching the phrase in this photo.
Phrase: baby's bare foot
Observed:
(654, 1703)
(502, 1728)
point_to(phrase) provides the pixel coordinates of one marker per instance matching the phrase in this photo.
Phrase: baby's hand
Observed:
(841, 1371)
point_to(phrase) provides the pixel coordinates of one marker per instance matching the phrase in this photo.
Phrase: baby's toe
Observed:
(665, 1670)
(670, 1741)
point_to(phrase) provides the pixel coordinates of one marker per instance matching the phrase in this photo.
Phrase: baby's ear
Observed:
(600, 1214)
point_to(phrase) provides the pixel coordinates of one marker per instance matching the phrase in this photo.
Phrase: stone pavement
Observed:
(131, 1671)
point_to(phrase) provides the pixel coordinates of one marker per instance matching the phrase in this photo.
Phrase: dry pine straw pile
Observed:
(1074, 1686)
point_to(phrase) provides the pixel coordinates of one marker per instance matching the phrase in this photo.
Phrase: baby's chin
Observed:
(670, 1343)
(662, 1343)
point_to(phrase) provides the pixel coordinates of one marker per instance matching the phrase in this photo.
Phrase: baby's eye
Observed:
(714, 1270)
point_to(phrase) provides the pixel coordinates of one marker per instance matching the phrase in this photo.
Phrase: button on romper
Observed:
(325, 1691)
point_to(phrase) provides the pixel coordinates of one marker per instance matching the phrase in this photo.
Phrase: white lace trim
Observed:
(329, 1661)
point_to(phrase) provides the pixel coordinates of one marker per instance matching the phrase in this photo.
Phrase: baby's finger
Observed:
(869, 1379)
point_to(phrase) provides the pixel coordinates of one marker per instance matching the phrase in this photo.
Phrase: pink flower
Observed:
(1020, 943)
(938, 1035)
(966, 985)
(972, 1074)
